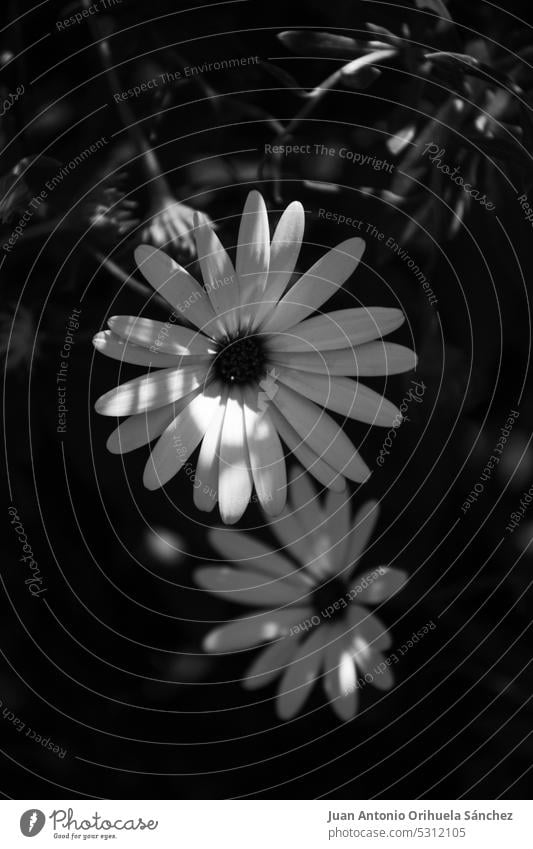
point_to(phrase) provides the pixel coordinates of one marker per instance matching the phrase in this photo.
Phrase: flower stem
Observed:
(121, 275)
(315, 97)
(150, 161)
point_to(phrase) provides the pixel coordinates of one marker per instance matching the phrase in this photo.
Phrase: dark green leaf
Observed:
(361, 78)
(325, 43)
(436, 6)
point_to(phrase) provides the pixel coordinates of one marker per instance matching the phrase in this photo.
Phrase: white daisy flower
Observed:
(314, 612)
(257, 366)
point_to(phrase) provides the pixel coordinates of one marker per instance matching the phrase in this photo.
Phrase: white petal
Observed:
(362, 529)
(181, 438)
(205, 483)
(246, 587)
(338, 511)
(322, 434)
(300, 676)
(150, 391)
(336, 330)
(250, 630)
(161, 336)
(304, 500)
(106, 342)
(372, 359)
(340, 677)
(310, 460)
(291, 534)
(258, 557)
(142, 428)
(270, 663)
(179, 288)
(267, 460)
(253, 255)
(378, 584)
(220, 278)
(379, 358)
(317, 285)
(369, 660)
(234, 476)
(369, 626)
(342, 395)
(308, 512)
(381, 674)
(284, 251)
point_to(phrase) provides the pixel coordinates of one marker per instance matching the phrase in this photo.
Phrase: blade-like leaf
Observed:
(325, 43)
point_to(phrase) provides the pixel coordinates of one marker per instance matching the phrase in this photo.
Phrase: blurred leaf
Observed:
(400, 141)
(435, 131)
(436, 6)
(284, 78)
(466, 64)
(503, 149)
(18, 186)
(331, 188)
(461, 60)
(361, 78)
(527, 125)
(14, 196)
(328, 44)
(388, 36)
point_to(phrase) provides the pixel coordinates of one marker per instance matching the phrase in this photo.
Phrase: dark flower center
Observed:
(330, 599)
(240, 360)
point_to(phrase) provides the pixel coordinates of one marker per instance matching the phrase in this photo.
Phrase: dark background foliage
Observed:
(108, 662)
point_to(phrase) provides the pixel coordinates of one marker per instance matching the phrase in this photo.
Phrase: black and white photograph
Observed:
(267, 420)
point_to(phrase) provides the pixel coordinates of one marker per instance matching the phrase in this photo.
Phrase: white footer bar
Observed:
(267, 824)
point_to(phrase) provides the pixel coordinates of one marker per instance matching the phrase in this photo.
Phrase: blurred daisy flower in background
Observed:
(110, 212)
(171, 226)
(256, 366)
(314, 609)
